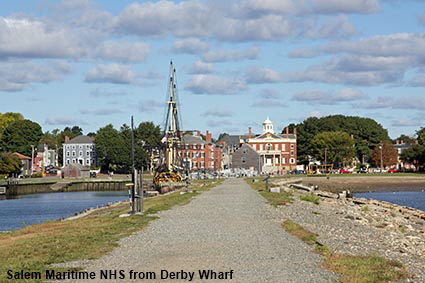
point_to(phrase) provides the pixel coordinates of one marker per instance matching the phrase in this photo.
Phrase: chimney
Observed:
(208, 137)
(198, 133)
(66, 139)
(287, 132)
(397, 141)
(249, 132)
(295, 132)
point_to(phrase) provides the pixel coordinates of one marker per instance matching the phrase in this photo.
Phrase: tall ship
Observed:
(169, 173)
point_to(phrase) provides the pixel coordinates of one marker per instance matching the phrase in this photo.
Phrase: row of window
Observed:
(86, 162)
(269, 161)
(270, 146)
(80, 153)
(81, 146)
(193, 146)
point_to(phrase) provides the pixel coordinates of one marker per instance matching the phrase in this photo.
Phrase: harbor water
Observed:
(411, 199)
(25, 210)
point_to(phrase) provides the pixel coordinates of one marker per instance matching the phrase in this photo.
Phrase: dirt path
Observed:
(228, 229)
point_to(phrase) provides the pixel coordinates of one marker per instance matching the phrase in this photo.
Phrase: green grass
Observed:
(274, 199)
(365, 208)
(311, 198)
(365, 269)
(353, 269)
(299, 232)
(35, 247)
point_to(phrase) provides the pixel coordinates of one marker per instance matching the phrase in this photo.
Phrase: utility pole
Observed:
(133, 172)
(382, 162)
(326, 160)
(32, 159)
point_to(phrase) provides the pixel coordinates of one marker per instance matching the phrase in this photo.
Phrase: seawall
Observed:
(65, 186)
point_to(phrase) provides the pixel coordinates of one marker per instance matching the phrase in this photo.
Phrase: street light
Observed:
(382, 163)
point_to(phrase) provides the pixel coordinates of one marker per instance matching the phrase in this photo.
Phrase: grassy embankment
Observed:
(274, 199)
(36, 247)
(353, 269)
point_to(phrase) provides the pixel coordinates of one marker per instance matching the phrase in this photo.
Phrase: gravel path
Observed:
(227, 228)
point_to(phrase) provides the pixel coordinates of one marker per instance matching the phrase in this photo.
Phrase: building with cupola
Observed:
(267, 153)
(277, 152)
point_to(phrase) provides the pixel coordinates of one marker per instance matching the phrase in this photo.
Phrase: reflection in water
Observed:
(411, 199)
(24, 210)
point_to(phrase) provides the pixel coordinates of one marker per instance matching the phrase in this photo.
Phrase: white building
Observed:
(79, 150)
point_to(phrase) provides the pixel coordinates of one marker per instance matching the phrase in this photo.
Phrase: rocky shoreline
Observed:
(362, 227)
(358, 184)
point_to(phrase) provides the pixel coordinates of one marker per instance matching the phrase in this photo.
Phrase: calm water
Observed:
(411, 199)
(30, 209)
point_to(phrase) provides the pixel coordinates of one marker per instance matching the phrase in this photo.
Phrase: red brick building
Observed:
(199, 154)
(278, 152)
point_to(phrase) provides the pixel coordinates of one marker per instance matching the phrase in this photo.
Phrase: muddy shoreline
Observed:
(367, 183)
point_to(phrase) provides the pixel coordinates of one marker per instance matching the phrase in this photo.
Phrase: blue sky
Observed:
(91, 63)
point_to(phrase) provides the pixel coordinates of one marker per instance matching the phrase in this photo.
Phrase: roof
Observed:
(189, 139)
(275, 136)
(21, 156)
(232, 139)
(81, 139)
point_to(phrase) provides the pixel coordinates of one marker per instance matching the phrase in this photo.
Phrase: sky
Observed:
(93, 63)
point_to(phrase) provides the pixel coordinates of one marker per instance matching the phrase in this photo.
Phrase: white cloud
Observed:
(123, 51)
(200, 67)
(217, 113)
(64, 121)
(260, 75)
(208, 84)
(112, 73)
(150, 105)
(403, 122)
(101, 112)
(329, 98)
(406, 102)
(97, 92)
(22, 37)
(269, 103)
(190, 46)
(18, 75)
(231, 55)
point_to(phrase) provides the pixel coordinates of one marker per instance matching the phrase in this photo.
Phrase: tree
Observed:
(337, 146)
(366, 133)
(222, 135)
(20, 135)
(414, 155)
(389, 155)
(8, 118)
(421, 135)
(405, 139)
(108, 143)
(9, 163)
(147, 136)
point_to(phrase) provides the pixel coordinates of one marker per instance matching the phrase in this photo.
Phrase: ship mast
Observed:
(172, 129)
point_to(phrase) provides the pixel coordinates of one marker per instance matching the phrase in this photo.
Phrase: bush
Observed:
(311, 198)
(37, 175)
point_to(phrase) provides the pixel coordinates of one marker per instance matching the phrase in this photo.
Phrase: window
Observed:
(276, 160)
(88, 162)
(283, 160)
(81, 153)
(261, 147)
(292, 145)
(292, 160)
(268, 147)
(87, 153)
(67, 154)
(74, 154)
(243, 159)
(292, 153)
(67, 161)
(74, 161)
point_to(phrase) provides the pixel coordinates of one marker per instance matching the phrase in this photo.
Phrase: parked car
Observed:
(344, 171)
(379, 170)
(393, 171)
(362, 171)
(297, 172)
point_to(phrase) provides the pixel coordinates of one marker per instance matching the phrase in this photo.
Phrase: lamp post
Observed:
(382, 163)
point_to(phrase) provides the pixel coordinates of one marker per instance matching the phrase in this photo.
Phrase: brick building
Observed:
(199, 154)
(278, 152)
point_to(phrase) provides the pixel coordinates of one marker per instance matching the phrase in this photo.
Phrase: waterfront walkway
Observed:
(229, 228)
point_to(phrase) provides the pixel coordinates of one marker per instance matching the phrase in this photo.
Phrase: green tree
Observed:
(9, 164)
(222, 135)
(405, 139)
(366, 133)
(414, 155)
(8, 118)
(20, 135)
(421, 135)
(337, 146)
(147, 136)
(108, 143)
(387, 151)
